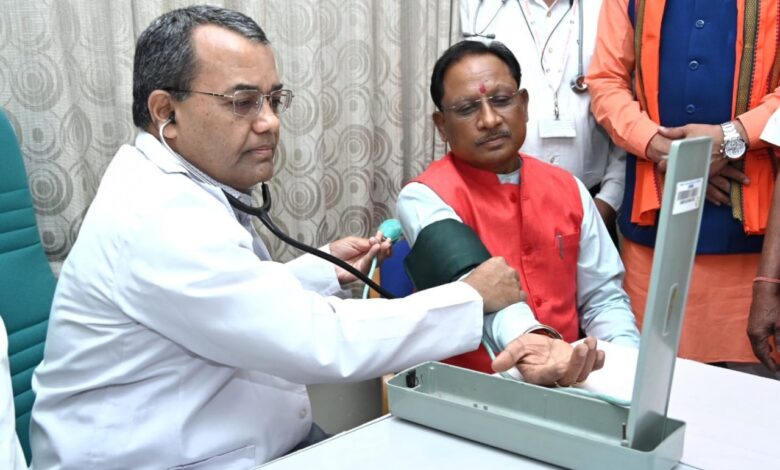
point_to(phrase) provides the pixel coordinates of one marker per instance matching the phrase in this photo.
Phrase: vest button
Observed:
(699, 24)
(513, 197)
(538, 302)
(693, 65)
(690, 109)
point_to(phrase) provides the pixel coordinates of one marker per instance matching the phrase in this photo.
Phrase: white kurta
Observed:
(590, 156)
(172, 342)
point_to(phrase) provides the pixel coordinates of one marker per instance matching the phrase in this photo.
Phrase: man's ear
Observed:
(438, 120)
(161, 108)
(524, 102)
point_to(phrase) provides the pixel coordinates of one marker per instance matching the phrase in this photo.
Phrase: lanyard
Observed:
(554, 81)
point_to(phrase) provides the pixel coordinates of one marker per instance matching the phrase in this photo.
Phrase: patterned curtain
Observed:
(359, 127)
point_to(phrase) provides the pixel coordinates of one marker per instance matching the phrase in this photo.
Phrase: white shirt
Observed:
(590, 156)
(603, 305)
(11, 454)
(175, 341)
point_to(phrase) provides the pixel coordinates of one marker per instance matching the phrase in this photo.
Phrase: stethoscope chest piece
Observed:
(578, 84)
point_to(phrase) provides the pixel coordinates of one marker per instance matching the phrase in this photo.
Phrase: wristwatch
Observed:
(733, 146)
(544, 330)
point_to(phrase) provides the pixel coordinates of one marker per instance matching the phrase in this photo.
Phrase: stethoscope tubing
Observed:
(262, 214)
(577, 83)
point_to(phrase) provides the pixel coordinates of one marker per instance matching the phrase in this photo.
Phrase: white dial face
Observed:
(734, 148)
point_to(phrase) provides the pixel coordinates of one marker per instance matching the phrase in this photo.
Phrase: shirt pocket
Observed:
(238, 459)
(567, 246)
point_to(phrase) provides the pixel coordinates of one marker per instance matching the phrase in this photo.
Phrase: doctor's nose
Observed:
(266, 119)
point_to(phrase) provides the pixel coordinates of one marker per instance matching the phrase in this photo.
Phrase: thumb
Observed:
(672, 133)
(367, 255)
(510, 356)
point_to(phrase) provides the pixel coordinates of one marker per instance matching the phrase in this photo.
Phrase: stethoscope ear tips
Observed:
(578, 84)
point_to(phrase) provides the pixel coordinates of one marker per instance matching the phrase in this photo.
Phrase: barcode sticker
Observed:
(687, 196)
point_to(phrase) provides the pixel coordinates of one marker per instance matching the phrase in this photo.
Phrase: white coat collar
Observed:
(170, 162)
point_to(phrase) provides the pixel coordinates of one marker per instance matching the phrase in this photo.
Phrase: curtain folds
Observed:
(359, 126)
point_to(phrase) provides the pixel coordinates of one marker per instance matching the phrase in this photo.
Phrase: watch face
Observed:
(734, 148)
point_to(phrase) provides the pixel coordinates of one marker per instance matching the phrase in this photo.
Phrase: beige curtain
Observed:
(359, 127)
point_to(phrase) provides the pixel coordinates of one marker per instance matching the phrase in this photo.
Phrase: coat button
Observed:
(302, 414)
(699, 24)
(513, 197)
(690, 109)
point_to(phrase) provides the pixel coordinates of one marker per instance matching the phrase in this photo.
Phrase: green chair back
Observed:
(26, 280)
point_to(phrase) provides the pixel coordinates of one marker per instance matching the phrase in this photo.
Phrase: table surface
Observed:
(731, 420)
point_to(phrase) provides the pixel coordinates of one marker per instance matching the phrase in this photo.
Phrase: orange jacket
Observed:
(632, 122)
(535, 226)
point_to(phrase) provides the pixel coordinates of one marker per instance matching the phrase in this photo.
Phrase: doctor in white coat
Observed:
(174, 340)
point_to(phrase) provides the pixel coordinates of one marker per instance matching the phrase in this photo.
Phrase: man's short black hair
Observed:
(165, 56)
(462, 49)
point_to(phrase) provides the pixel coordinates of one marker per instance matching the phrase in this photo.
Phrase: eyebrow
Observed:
(244, 86)
(495, 91)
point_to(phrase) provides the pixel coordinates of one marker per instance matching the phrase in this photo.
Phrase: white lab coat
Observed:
(175, 343)
(11, 454)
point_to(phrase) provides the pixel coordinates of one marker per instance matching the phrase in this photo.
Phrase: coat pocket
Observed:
(238, 459)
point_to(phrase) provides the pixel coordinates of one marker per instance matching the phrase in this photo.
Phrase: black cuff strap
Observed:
(443, 252)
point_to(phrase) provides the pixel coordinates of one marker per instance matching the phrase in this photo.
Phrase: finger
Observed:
(590, 360)
(385, 250)
(716, 196)
(363, 263)
(721, 183)
(760, 344)
(662, 164)
(716, 165)
(774, 366)
(601, 357)
(734, 174)
(510, 356)
(579, 357)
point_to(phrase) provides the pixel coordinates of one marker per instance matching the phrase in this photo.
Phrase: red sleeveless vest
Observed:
(534, 225)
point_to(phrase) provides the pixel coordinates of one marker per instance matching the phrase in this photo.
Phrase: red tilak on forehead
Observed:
(482, 88)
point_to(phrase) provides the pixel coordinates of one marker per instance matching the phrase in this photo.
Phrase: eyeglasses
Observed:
(468, 109)
(248, 103)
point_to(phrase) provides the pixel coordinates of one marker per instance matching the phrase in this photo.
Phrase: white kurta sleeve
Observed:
(613, 182)
(418, 206)
(604, 307)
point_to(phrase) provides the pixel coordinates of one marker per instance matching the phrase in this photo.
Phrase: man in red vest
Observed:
(539, 217)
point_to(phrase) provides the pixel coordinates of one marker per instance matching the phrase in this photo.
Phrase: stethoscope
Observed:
(577, 83)
(232, 195)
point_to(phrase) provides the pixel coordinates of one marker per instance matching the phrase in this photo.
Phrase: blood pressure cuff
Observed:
(444, 251)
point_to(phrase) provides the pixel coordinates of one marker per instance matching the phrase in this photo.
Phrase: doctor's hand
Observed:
(359, 252)
(497, 283)
(548, 361)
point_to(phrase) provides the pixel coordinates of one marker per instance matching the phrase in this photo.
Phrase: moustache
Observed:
(493, 135)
